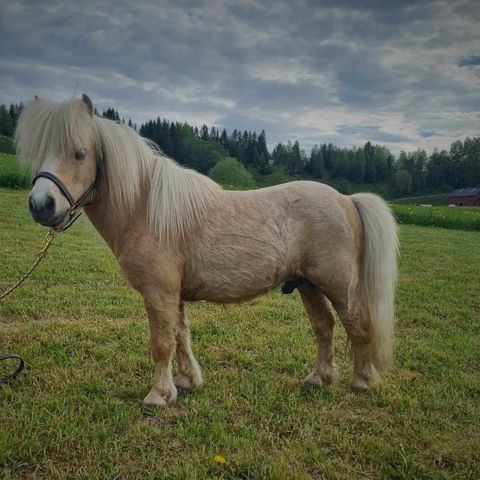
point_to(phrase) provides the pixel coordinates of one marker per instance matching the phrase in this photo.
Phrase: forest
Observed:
(241, 158)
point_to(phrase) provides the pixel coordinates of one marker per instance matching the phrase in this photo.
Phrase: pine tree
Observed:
(224, 138)
(262, 162)
(296, 162)
(6, 125)
(14, 112)
(370, 173)
(204, 133)
(316, 164)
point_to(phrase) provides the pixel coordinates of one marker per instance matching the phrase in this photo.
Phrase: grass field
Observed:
(457, 218)
(76, 411)
(12, 174)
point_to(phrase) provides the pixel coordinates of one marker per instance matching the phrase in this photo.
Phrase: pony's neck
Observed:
(109, 221)
(155, 193)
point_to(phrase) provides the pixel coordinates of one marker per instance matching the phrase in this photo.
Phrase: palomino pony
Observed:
(179, 237)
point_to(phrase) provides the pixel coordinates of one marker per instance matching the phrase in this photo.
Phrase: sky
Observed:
(398, 73)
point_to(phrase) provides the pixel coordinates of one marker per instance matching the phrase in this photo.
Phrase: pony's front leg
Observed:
(189, 374)
(162, 316)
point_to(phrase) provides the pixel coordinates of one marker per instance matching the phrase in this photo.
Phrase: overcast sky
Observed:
(403, 74)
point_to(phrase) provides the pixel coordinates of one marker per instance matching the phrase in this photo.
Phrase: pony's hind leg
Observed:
(344, 294)
(189, 374)
(357, 325)
(322, 320)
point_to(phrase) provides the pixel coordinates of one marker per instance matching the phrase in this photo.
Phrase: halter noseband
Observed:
(85, 199)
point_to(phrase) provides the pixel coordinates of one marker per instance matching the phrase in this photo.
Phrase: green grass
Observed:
(76, 412)
(457, 218)
(12, 174)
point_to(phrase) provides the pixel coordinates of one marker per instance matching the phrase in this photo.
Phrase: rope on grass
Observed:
(9, 356)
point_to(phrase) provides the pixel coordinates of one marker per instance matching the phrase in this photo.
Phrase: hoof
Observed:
(361, 382)
(322, 378)
(313, 381)
(359, 385)
(189, 383)
(156, 399)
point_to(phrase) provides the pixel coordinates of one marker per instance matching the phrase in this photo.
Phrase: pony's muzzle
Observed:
(42, 209)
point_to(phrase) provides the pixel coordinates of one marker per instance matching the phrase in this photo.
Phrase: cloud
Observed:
(474, 60)
(372, 132)
(342, 71)
(427, 133)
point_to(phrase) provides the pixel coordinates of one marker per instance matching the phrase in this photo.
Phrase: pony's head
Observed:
(60, 143)
(68, 146)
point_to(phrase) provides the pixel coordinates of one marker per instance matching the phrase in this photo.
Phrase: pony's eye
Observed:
(80, 153)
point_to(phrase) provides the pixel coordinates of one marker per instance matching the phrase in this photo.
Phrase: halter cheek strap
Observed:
(84, 200)
(61, 186)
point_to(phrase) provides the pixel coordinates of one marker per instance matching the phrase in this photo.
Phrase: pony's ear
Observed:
(86, 100)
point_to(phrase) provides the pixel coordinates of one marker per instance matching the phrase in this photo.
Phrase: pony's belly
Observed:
(239, 271)
(228, 292)
(230, 288)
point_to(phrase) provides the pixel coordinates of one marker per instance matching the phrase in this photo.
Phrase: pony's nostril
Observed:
(42, 209)
(31, 205)
(49, 205)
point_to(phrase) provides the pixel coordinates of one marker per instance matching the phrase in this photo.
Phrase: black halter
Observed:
(85, 199)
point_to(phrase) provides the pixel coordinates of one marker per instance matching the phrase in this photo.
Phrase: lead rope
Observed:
(41, 255)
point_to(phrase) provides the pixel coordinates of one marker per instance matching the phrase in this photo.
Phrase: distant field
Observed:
(463, 218)
(458, 218)
(439, 200)
(76, 410)
(12, 174)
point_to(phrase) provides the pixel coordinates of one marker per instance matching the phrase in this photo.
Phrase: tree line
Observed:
(411, 173)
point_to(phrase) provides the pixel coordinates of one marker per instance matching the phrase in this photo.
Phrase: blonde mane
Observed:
(177, 196)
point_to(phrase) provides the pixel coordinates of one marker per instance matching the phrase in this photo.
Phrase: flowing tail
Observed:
(378, 273)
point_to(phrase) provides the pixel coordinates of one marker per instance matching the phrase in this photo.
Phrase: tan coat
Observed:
(178, 237)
